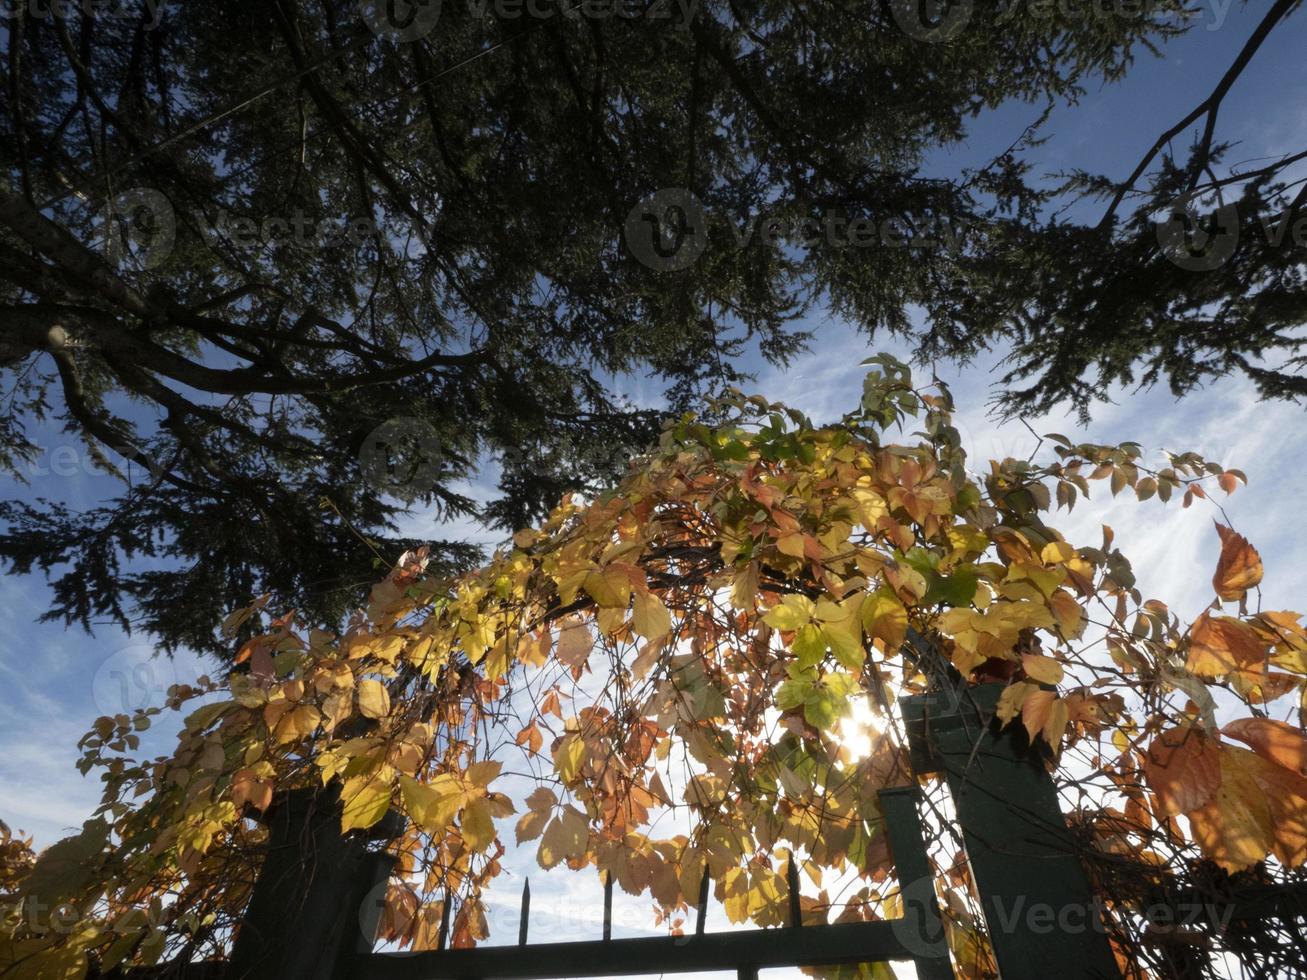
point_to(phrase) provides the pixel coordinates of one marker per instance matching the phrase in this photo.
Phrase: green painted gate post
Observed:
(1044, 921)
(317, 901)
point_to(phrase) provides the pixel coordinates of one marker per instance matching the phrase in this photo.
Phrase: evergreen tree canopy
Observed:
(261, 247)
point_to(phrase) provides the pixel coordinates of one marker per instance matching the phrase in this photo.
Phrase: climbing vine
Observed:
(699, 669)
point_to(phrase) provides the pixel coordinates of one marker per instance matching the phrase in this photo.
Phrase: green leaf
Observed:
(809, 646)
(794, 692)
(63, 869)
(791, 613)
(955, 590)
(829, 700)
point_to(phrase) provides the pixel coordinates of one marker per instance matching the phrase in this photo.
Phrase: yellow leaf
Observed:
(531, 825)
(336, 707)
(297, 723)
(1286, 798)
(842, 627)
(570, 757)
(1056, 553)
(1235, 828)
(871, 507)
(482, 774)
(567, 836)
(647, 658)
(1274, 741)
(387, 646)
(542, 799)
(735, 895)
(533, 649)
(36, 959)
(247, 787)
(1044, 713)
(1011, 701)
(1055, 724)
(366, 799)
(1045, 670)
(1069, 614)
(609, 588)
(1219, 645)
(374, 701)
(432, 805)
(791, 544)
(885, 619)
(651, 619)
(478, 827)
(471, 926)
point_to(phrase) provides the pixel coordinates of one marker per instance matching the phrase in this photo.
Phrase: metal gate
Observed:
(304, 920)
(918, 936)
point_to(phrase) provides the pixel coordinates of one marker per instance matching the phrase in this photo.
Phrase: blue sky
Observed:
(54, 682)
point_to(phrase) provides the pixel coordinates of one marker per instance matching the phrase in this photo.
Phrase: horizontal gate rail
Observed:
(917, 937)
(848, 942)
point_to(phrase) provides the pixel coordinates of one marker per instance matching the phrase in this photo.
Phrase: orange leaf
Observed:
(549, 704)
(530, 737)
(533, 650)
(574, 644)
(470, 925)
(247, 787)
(1184, 769)
(243, 654)
(1239, 568)
(1263, 686)
(1272, 740)
(1286, 797)
(1219, 645)
(1044, 712)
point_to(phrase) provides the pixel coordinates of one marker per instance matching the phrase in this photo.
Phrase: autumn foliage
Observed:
(699, 669)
